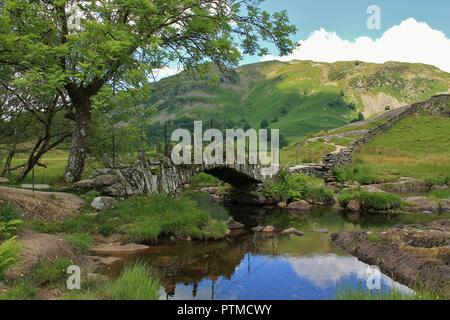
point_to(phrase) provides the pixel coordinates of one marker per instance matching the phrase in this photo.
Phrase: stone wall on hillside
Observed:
(437, 105)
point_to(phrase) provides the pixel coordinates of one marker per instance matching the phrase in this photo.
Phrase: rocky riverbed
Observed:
(413, 254)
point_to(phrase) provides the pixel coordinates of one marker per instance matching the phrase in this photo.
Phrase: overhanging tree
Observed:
(127, 40)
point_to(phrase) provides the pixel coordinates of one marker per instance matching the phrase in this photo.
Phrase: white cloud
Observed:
(165, 72)
(328, 270)
(410, 41)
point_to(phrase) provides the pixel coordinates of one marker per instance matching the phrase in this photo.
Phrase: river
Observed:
(256, 266)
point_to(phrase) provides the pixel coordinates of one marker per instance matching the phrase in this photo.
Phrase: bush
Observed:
(135, 283)
(9, 251)
(370, 201)
(294, 187)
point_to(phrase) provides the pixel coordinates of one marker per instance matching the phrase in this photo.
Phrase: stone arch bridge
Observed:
(151, 176)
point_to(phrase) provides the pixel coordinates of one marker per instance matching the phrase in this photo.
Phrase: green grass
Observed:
(374, 237)
(311, 152)
(136, 282)
(418, 146)
(440, 194)
(370, 201)
(294, 187)
(9, 254)
(81, 241)
(8, 212)
(204, 180)
(144, 220)
(362, 173)
(419, 294)
(50, 272)
(23, 290)
(55, 160)
(10, 222)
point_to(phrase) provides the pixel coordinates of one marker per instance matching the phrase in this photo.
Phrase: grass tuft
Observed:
(370, 201)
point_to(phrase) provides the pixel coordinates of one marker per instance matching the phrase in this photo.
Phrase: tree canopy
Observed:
(76, 47)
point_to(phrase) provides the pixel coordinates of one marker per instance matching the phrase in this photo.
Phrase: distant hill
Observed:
(297, 97)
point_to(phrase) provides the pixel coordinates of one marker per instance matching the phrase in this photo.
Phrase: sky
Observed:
(331, 30)
(416, 31)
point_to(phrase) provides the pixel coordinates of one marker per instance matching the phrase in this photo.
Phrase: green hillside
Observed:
(297, 97)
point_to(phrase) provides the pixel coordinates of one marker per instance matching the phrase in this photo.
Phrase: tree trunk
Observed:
(78, 149)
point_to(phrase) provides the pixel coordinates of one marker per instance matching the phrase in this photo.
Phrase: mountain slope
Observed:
(297, 97)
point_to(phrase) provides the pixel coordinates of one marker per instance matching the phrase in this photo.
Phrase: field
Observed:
(418, 146)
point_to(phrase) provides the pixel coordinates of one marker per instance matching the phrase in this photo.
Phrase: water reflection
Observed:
(254, 266)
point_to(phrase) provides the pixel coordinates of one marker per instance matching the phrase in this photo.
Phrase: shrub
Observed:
(294, 187)
(370, 201)
(135, 283)
(9, 251)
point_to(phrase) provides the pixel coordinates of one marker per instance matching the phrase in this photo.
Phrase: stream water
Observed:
(254, 266)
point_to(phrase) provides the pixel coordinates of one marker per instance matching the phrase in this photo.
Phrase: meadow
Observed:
(418, 146)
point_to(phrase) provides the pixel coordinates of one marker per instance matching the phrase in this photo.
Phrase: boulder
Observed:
(422, 204)
(282, 204)
(36, 186)
(96, 277)
(292, 231)
(233, 224)
(104, 180)
(120, 250)
(109, 261)
(36, 247)
(38, 205)
(258, 229)
(404, 186)
(413, 253)
(300, 205)
(439, 188)
(268, 229)
(84, 184)
(4, 180)
(372, 188)
(354, 205)
(102, 203)
(445, 205)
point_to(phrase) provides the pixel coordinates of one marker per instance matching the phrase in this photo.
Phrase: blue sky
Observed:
(336, 30)
(348, 17)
